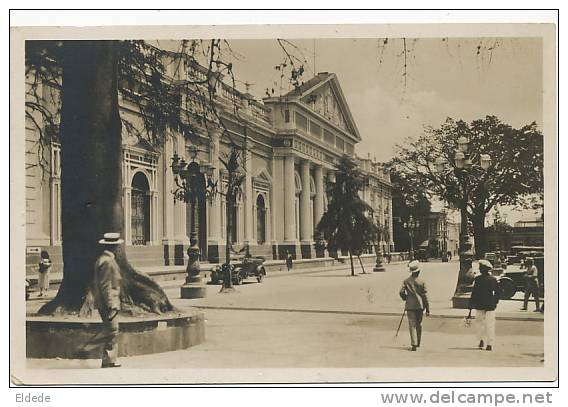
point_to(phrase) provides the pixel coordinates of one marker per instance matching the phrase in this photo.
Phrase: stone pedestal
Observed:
(193, 289)
(461, 301)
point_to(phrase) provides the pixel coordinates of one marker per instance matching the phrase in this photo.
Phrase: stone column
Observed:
(168, 239)
(320, 191)
(305, 212)
(248, 200)
(215, 240)
(289, 200)
(305, 215)
(180, 214)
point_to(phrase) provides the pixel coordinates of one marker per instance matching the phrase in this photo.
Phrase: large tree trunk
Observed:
(91, 181)
(479, 234)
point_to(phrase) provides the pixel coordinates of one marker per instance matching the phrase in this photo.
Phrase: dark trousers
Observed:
(415, 325)
(531, 287)
(110, 335)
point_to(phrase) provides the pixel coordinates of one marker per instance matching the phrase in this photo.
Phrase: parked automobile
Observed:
(512, 280)
(28, 289)
(247, 267)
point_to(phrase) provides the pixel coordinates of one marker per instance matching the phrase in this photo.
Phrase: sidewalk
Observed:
(328, 290)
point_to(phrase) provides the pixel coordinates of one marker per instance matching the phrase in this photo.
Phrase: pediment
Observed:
(327, 99)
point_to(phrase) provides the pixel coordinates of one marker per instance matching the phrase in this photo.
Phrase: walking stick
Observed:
(400, 323)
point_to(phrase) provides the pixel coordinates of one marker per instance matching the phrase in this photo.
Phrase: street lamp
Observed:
(379, 265)
(192, 188)
(445, 258)
(411, 226)
(464, 166)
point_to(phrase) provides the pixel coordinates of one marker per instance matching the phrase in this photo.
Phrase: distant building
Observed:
(528, 233)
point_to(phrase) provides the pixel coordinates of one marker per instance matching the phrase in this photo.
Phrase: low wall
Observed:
(79, 338)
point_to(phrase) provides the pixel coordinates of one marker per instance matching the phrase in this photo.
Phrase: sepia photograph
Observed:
(283, 204)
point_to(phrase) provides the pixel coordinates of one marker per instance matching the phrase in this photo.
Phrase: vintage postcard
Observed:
(283, 204)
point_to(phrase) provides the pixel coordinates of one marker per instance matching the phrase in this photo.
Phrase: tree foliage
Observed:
(347, 224)
(513, 178)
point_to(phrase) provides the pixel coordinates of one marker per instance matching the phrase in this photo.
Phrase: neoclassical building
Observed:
(293, 144)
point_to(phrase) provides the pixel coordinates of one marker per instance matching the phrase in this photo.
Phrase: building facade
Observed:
(293, 143)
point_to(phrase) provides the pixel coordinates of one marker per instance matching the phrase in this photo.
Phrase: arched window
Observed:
(140, 210)
(260, 220)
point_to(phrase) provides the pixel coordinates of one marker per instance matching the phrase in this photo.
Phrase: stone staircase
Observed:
(143, 256)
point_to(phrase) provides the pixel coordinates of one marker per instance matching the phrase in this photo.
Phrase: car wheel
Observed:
(260, 277)
(238, 280)
(508, 288)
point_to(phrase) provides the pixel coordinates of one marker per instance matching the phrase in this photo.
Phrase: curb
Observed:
(369, 313)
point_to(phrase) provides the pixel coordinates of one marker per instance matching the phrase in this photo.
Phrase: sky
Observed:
(445, 77)
(462, 78)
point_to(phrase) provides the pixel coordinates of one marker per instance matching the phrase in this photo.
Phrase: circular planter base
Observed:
(69, 337)
(189, 291)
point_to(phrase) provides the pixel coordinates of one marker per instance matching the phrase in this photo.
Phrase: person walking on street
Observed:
(414, 293)
(44, 268)
(484, 299)
(289, 260)
(106, 290)
(531, 285)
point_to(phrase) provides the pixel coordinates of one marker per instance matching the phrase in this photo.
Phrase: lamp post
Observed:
(444, 236)
(464, 166)
(411, 226)
(192, 188)
(379, 265)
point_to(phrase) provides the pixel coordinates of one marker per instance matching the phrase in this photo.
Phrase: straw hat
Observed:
(111, 239)
(414, 266)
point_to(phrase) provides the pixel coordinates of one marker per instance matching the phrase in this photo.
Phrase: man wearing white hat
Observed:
(106, 290)
(414, 293)
(484, 299)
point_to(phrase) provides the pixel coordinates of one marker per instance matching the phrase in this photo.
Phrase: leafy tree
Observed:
(408, 199)
(347, 224)
(72, 97)
(85, 78)
(515, 173)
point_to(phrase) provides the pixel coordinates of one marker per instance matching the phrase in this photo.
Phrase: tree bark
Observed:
(351, 260)
(91, 181)
(479, 233)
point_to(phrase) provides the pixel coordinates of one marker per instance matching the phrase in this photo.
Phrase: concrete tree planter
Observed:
(69, 337)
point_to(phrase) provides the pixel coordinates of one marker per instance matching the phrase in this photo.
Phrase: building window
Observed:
(315, 129)
(328, 137)
(339, 143)
(260, 220)
(302, 122)
(286, 116)
(140, 210)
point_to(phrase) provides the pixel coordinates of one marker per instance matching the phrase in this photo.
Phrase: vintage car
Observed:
(242, 269)
(513, 279)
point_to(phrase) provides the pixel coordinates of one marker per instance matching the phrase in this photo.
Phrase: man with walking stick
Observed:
(414, 293)
(106, 290)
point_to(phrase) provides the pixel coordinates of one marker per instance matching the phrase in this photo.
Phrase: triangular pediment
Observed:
(326, 98)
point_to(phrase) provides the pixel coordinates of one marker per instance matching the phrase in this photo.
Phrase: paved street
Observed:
(329, 319)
